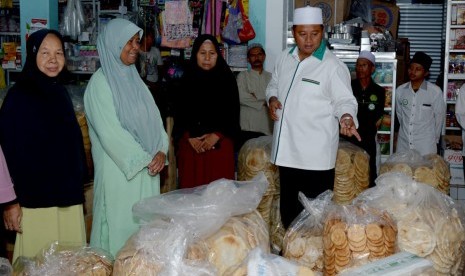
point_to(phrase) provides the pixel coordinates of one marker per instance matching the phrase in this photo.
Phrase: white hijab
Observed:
(135, 106)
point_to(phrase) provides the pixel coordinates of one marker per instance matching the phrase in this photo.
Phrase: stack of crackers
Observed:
(254, 157)
(305, 246)
(303, 242)
(433, 171)
(348, 244)
(352, 174)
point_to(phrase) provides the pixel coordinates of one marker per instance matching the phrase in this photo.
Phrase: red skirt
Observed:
(195, 169)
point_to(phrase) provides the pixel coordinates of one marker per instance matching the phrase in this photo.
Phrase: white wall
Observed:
(275, 36)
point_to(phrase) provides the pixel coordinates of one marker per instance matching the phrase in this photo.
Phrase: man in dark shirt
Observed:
(370, 97)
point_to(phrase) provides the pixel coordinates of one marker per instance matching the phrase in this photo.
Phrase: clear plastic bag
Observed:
(430, 224)
(352, 172)
(73, 19)
(430, 169)
(167, 248)
(356, 234)
(59, 259)
(5, 267)
(198, 231)
(259, 263)
(204, 209)
(303, 241)
(254, 157)
(158, 249)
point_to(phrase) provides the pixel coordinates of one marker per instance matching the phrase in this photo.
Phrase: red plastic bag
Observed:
(247, 32)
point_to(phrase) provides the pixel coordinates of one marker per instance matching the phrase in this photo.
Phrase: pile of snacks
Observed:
(363, 236)
(255, 157)
(430, 224)
(146, 252)
(352, 174)
(65, 260)
(303, 242)
(430, 169)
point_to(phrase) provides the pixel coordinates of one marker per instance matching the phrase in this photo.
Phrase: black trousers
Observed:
(293, 181)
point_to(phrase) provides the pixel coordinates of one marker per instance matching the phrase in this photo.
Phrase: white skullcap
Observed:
(367, 55)
(308, 16)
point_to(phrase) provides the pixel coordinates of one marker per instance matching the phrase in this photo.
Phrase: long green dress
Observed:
(121, 176)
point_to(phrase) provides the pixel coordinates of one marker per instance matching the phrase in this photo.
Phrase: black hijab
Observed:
(221, 66)
(30, 71)
(41, 138)
(209, 99)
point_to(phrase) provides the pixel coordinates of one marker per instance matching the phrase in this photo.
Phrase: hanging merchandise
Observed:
(247, 32)
(238, 28)
(212, 17)
(176, 25)
(73, 19)
(233, 24)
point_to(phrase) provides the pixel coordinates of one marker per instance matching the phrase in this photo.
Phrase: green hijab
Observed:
(135, 106)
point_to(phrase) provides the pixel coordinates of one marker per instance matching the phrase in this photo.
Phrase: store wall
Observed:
(33, 16)
(267, 19)
(274, 32)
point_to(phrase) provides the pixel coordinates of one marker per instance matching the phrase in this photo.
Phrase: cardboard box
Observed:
(334, 11)
(386, 15)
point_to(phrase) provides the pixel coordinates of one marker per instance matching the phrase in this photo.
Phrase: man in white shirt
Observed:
(252, 85)
(420, 109)
(311, 101)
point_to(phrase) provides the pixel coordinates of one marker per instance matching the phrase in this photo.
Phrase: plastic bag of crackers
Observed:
(303, 241)
(352, 172)
(430, 224)
(198, 231)
(255, 157)
(168, 248)
(430, 169)
(354, 235)
(59, 259)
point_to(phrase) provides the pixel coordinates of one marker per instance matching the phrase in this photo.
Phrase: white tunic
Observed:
(314, 94)
(421, 116)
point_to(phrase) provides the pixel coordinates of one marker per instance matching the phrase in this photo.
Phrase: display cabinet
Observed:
(385, 76)
(10, 38)
(454, 78)
(454, 62)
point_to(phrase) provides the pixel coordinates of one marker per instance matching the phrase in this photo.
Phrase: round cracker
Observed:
(402, 167)
(373, 232)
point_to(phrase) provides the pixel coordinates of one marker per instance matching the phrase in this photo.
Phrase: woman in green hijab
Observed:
(129, 143)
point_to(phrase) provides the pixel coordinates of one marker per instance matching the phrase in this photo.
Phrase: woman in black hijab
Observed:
(43, 147)
(207, 117)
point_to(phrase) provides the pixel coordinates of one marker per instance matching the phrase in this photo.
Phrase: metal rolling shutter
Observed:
(424, 26)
